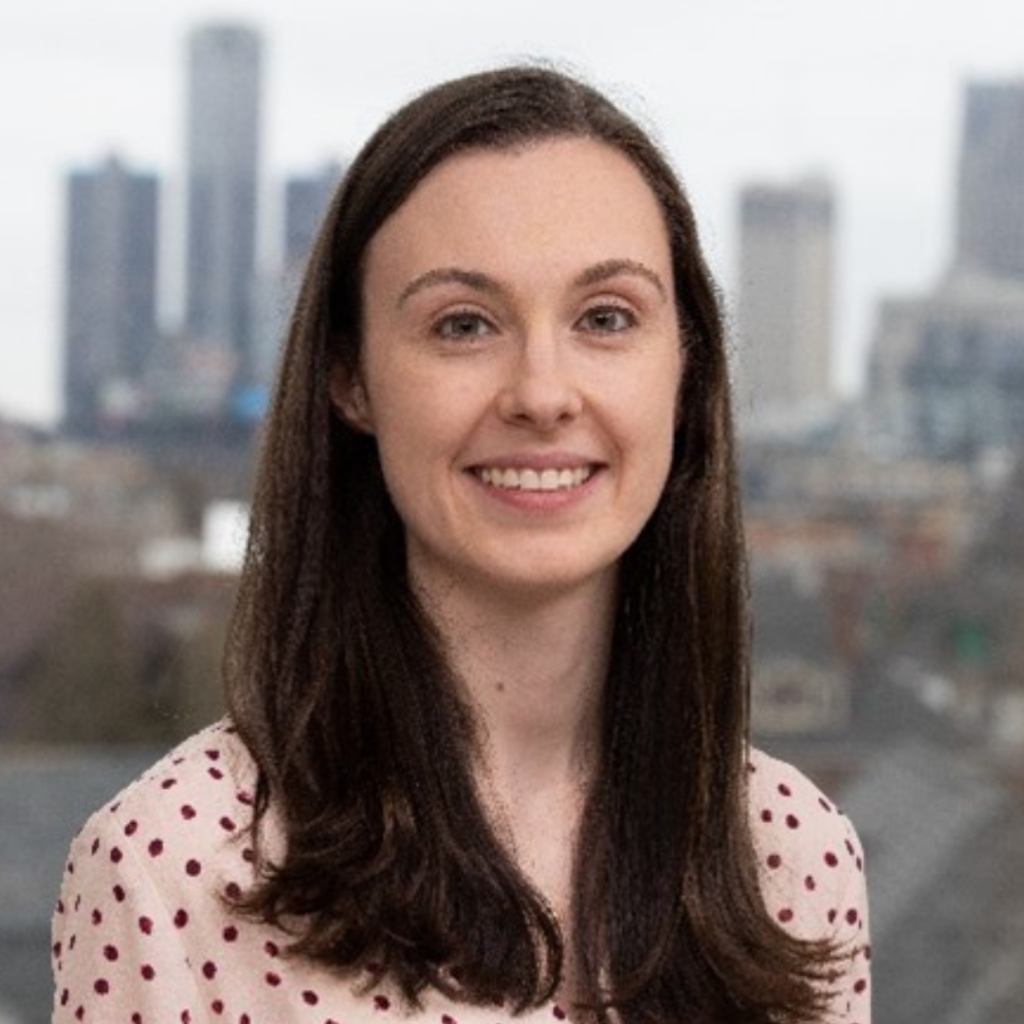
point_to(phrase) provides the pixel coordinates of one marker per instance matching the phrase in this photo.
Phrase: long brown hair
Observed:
(338, 685)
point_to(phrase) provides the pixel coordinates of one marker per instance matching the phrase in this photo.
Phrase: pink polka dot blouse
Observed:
(141, 934)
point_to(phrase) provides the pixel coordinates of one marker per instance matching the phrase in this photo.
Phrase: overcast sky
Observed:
(866, 92)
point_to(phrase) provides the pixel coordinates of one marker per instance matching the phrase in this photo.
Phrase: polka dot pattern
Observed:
(143, 935)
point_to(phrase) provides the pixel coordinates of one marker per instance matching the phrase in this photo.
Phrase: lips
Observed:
(550, 478)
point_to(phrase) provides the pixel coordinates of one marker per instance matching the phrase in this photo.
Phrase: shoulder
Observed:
(185, 817)
(809, 856)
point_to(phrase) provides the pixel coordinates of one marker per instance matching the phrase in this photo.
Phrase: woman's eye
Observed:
(462, 326)
(607, 319)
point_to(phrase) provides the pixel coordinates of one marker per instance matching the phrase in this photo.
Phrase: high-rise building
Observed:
(947, 367)
(785, 302)
(306, 201)
(990, 199)
(109, 295)
(222, 181)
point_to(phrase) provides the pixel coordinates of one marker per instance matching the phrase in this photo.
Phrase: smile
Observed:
(535, 480)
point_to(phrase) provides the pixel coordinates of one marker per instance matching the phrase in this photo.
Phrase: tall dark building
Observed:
(222, 175)
(306, 201)
(110, 295)
(990, 201)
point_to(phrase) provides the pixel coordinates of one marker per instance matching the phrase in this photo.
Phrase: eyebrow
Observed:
(608, 269)
(597, 274)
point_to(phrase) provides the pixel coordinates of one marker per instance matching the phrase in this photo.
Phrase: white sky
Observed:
(864, 91)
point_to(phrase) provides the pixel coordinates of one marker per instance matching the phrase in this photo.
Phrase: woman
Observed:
(487, 673)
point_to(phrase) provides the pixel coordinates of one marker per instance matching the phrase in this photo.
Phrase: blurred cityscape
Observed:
(886, 533)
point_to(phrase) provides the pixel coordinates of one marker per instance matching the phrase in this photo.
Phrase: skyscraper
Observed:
(306, 201)
(109, 295)
(990, 200)
(222, 178)
(785, 299)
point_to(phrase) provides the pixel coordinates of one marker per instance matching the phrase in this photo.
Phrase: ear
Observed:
(349, 398)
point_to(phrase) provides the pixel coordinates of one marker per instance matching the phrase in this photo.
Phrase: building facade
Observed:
(785, 305)
(990, 186)
(946, 374)
(110, 291)
(222, 189)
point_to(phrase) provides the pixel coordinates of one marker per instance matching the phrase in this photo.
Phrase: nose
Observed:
(541, 390)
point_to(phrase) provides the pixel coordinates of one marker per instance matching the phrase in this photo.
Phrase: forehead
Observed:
(570, 198)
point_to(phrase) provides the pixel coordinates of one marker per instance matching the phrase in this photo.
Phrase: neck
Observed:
(534, 672)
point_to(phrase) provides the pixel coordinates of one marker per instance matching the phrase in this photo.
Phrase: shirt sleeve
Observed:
(850, 989)
(117, 950)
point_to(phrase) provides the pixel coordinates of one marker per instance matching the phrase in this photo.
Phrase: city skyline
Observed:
(735, 91)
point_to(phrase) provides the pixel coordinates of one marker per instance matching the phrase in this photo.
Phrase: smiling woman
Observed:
(488, 750)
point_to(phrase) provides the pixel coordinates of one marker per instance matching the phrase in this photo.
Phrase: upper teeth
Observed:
(534, 480)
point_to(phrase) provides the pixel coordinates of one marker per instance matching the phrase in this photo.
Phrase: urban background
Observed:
(886, 531)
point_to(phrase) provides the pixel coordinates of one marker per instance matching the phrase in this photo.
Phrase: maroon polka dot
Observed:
(148, 972)
(310, 998)
(785, 915)
(95, 846)
(249, 855)
(215, 773)
(110, 953)
(825, 804)
(115, 855)
(230, 933)
(766, 816)
(382, 1002)
(156, 847)
(193, 868)
(168, 783)
(146, 925)
(271, 948)
(244, 797)
(831, 859)
(272, 979)
(244, 1019)
(849, 848)
(131, 828)
(97, 917)
(64, 997)
(72, 942)
(188, 812)
(80, 1013)
(860, 985)
(447, 1019)
(785, 790)
(209, 970)
(186, 1017)
(136, 1018)
(102, 986)
(810, 884)
(792, 821)
(181, 919)
(217, 1006)
(774, 861)
(832, 915)
(852, 916)
(60, 906)
(558, 1012)
(227, 824)
(867, 952)
(119, 894)
(213, 755)
(232, 890)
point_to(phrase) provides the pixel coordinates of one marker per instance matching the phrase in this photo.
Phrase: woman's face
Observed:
(520, 365)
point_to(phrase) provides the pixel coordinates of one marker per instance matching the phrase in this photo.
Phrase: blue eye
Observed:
(463, 326)
(607, 320)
